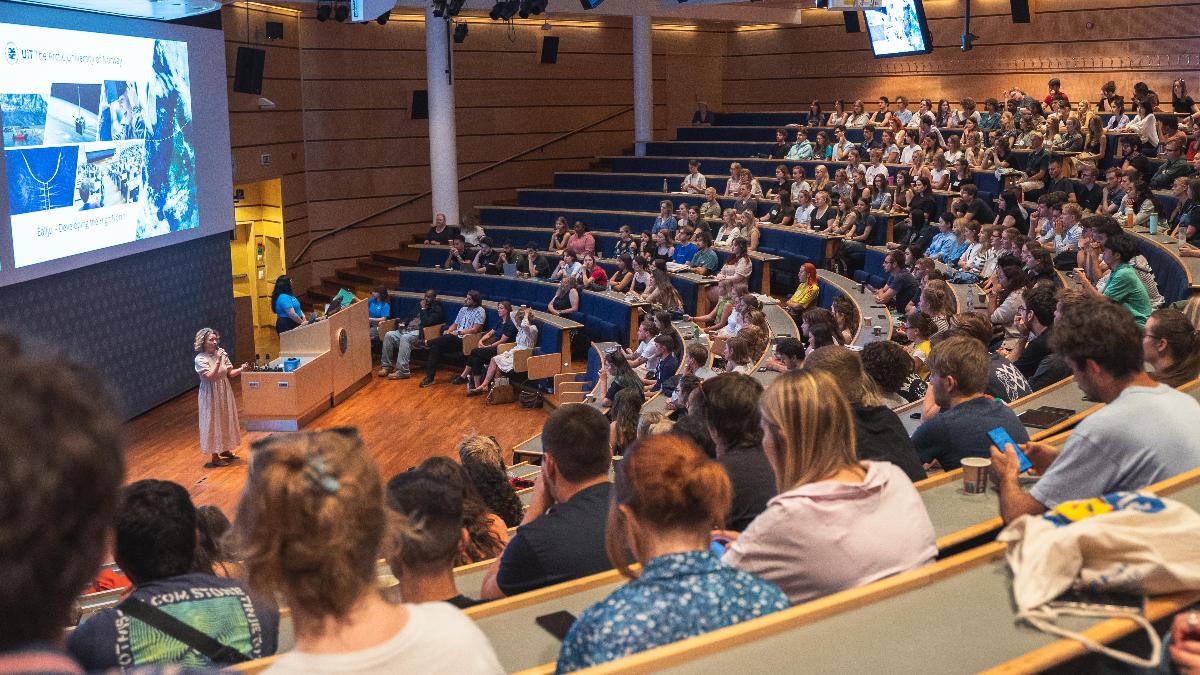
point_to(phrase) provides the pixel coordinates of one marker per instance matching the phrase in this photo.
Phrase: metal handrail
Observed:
(489, 167)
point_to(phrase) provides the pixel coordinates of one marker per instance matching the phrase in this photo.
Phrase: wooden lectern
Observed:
(335, 360)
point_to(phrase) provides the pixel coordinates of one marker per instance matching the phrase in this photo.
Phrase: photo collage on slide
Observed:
(93, 164)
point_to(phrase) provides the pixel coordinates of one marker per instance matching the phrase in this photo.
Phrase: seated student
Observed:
(739, 354)
(902, 288)
(807, 291)
(704, 260)
(684, 247)
(457, 258)
(789, 355)
(533, 263)
(958, 374)
(646, 353)
(1005, 381)
(325, 572)
(569, 266)
(487, 532)
(61, 484)
(1058, 181)
(666, 497)
(728, 404)
(694, 183)
(1123, 287)
(503, 331)
(155, 531)
(379, 307)
(1109, 450)
(1171, 345)
(890, 367)
(483, 466)
(879, 434)
(439, 232)
(402, 340)
(873, 523)
(667, 364)
(470, 319)
(581, 241)
(1032, 354)
(422, 555)
(562, 535)
(487, 258)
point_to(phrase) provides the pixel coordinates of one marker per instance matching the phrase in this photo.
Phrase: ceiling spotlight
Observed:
(533, 7)
(460, 33)
(342, 11)
(383, 18)
(504, 10)
(324, 9)
(546, 25)
(453, 7)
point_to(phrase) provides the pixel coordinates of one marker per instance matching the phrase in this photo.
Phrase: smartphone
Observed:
(1002, 439)
(556, 624)
(1108, 601)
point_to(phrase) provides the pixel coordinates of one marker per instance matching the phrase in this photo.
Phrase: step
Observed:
(355, 275)
(394, 257)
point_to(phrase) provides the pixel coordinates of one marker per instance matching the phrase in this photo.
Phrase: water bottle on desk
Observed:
(1181, 234)
(1153, 224)
(666, 188)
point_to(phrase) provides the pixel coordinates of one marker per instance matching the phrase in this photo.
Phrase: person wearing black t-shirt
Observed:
(823, 213)
(562, 535)
(440, 232)
(901, 288)
(503, 331)
(1089, 194)
(423, 559)
(728, 403)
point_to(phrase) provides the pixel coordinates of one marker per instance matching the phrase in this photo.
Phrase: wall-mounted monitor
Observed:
(898, 28)
(115, 138)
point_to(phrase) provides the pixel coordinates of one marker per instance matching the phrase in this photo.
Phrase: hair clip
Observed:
(316, 474)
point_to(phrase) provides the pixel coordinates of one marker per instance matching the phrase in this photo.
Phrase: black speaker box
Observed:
(420, 104)
(851, 20)
(1020, 11)
(248, 70)
(550, 49)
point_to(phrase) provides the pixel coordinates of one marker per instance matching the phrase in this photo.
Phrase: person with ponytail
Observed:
(1171, 344)
(310, 526)
(873, 523)
(666, 498)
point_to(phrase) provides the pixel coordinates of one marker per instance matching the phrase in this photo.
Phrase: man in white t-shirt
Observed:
(1146, 433)
(877, 168)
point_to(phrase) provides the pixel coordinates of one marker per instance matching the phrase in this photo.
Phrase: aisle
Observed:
(400, 423)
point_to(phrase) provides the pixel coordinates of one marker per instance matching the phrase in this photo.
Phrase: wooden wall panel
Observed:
(1128, 41)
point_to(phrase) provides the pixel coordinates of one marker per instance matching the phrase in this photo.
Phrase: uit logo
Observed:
(11, 54)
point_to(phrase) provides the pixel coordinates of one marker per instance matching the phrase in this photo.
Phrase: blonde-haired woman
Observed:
(220, 431)
(310, 525)
(873, 522)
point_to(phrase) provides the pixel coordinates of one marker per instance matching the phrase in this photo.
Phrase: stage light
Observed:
(383, 18)
(342, 11)
(460, 33)
(453, 7)
(439, 8)
(324, 9)
(504, 10)
(532, 7)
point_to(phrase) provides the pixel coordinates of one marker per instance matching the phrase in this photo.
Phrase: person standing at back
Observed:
(1145, 433)
(562, 535)
(156, 546)
(63, 466)
(958, 375)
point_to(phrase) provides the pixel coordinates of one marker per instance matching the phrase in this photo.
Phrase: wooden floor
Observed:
(400, 423)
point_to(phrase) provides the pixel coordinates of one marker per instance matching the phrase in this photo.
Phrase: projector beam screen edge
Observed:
(115, 141)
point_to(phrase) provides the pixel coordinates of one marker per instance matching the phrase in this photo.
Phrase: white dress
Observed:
(527, 335)
(220, 430)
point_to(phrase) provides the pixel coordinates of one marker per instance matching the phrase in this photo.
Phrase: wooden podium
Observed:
(335, 360)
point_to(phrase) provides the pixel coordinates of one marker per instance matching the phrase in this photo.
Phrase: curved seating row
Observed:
(870, 314)
(605, 315)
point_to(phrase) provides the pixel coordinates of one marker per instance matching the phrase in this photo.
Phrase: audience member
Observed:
(294, 527)
(213, 554)
(1032, 354)
(902, 288)
(487, 533)
(439, 232)
(872, 521)
(428, 540)
(1171, 345)
(63, 467)
(666, 498)
(890, 367)
(562, 535)
(155, 531)
(1123, 287)
(728, 404)
(1145, 433)
(878, 433)
(625, 414)
(958, 374)
(483, 463)
(470, 319)
(789, 355)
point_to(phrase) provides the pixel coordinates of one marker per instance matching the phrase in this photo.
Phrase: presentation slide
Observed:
(116, 138)
(898, 28)
(98, 140)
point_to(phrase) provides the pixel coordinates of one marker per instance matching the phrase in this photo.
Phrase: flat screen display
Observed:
(898, 28)
(113, 142)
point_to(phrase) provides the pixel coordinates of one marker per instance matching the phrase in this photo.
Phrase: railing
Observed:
(414, 198)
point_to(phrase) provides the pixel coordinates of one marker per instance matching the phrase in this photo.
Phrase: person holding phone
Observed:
(220, 431)
(666, 497)
(1146, 432)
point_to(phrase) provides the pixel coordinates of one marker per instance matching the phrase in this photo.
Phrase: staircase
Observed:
(368, 272)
